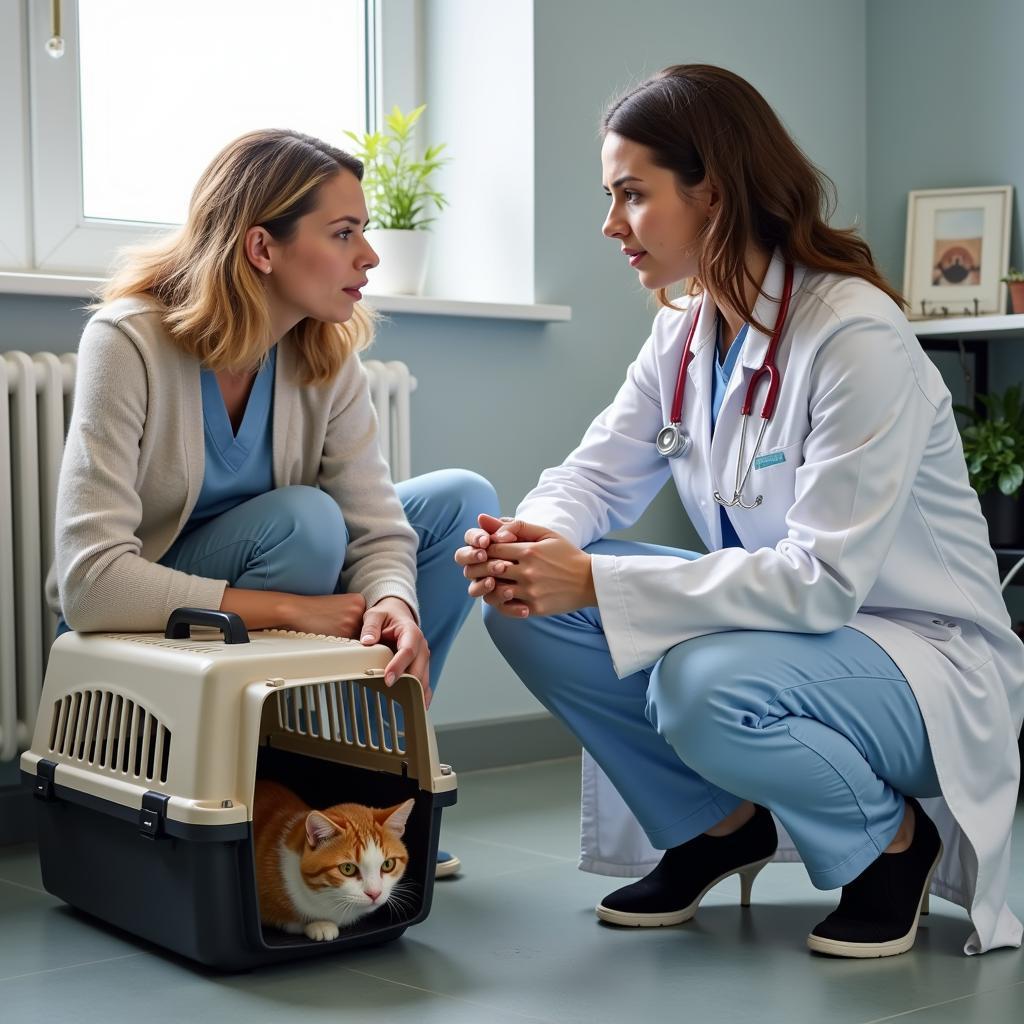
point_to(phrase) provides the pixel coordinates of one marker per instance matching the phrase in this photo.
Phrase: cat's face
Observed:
(354, 855)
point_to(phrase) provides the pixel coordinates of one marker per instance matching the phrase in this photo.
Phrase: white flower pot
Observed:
(403, 261)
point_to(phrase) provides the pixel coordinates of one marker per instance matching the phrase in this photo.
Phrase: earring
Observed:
(266, 270)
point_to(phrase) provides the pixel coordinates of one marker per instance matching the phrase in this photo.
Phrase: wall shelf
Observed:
(974, 328)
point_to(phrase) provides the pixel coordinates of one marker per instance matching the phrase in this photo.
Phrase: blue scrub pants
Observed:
(293, 539)
(823, 729)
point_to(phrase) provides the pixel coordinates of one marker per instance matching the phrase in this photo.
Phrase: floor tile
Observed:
(39, 933)
(991, 1007)
(162, 990)
(486, 859)
(534, 808)
(21, 864)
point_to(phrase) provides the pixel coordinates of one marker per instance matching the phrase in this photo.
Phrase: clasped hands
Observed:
(522, 569)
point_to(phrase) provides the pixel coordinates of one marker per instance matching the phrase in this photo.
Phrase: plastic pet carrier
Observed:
(146, 751)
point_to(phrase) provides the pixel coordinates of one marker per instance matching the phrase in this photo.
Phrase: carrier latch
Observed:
(45, 775)
(153, 815)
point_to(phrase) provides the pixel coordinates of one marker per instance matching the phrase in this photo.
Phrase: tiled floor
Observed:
(515, 939)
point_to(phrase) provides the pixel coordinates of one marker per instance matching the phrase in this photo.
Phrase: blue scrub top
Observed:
(720, 373)
(238, 466)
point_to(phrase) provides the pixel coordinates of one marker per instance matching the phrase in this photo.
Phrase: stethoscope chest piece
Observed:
(672, 441)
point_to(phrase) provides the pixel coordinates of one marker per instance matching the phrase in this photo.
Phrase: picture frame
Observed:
(957, 249)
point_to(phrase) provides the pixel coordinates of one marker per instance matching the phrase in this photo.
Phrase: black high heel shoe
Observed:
(671, 893)
(879, 910)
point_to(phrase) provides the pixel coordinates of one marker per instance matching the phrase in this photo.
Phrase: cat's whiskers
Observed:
(400, 906)
(405, 887)
(344, 901)
(403, 898)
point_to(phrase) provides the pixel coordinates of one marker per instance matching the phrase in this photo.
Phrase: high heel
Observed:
(671, 893)
(880, 909)
(747, 876)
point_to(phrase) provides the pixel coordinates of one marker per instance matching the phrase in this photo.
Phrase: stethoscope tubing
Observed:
(672, 441)
(768, 365)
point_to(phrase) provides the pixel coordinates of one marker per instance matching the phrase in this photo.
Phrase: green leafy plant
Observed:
(1014, 276)
(397, 185)
(994, 442)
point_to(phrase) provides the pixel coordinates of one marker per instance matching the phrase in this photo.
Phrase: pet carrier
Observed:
(146, 751)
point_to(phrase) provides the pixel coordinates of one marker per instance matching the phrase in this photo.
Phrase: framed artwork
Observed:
(958, 248)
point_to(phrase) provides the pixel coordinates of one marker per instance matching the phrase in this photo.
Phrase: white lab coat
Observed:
(869, 521)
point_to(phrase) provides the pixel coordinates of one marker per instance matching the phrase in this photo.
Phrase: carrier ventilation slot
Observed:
(111, 733)
(343, 711)
(170, 645)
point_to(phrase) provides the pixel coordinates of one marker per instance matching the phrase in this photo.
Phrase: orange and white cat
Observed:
(320, 871)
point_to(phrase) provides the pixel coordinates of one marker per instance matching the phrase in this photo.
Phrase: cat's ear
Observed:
(318, 828)
(394, 818)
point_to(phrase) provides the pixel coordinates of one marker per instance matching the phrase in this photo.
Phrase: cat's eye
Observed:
(348, 869)
(388, 865)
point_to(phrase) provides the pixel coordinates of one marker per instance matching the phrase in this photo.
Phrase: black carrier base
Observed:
(192, 888)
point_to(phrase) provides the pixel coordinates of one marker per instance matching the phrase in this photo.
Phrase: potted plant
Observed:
(994, 449)
(1015, 279)
(401, 200)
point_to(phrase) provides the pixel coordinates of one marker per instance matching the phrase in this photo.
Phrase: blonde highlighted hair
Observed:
(215, 303)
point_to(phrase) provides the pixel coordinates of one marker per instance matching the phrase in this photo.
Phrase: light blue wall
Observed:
(943, 108)
(943, 111)
(508, 399)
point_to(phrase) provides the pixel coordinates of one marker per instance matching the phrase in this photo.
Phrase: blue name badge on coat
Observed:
(772, 459)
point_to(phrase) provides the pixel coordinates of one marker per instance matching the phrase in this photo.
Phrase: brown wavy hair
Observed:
(215, 303)
(706, 123)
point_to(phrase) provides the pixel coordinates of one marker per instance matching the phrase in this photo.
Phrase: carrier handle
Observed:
(181, 620)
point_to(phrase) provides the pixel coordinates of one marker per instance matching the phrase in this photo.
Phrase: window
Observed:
(159, 98)
(147, 93)
(103, 146)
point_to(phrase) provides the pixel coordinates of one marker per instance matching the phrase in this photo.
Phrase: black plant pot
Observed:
(1005, 519)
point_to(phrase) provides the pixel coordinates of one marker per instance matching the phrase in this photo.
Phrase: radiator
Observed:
(35, 406)
(391, 384)
(35, 402)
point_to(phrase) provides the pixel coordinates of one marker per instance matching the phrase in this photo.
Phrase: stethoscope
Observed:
(673, 441)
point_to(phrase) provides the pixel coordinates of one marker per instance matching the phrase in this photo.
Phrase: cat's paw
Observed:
(321, 931)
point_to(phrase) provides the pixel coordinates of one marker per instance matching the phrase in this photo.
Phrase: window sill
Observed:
(76, 287)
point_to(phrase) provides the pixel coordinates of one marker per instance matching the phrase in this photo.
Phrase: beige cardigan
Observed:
(133, 468)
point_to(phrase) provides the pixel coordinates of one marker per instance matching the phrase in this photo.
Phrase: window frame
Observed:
(394, 57)
(59, 238)
(15, 160)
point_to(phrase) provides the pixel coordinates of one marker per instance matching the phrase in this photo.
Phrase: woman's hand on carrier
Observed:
(523, 569)
(330, 614)
(391, 621)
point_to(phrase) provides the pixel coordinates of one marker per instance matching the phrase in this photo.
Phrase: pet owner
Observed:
(223, 450)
